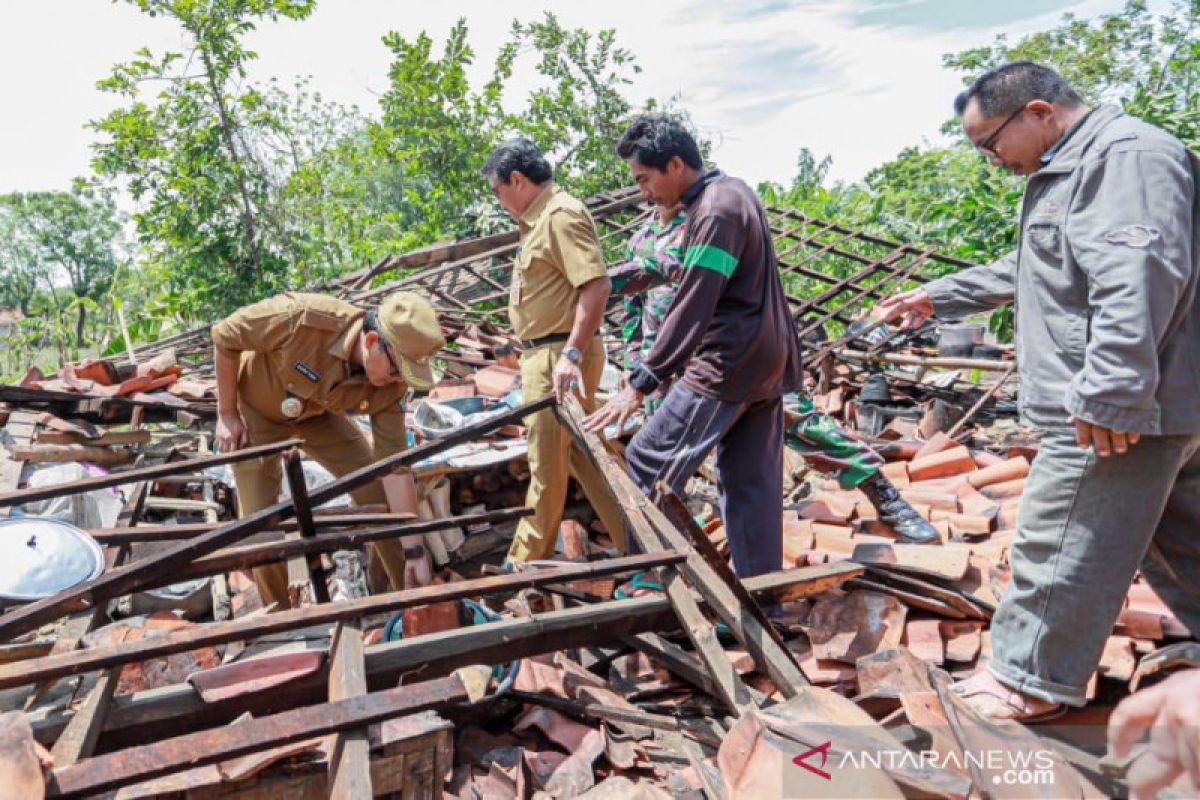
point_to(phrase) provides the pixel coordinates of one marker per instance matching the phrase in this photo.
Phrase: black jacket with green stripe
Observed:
(729, 328)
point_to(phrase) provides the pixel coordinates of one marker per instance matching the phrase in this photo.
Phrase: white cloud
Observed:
(763, 79)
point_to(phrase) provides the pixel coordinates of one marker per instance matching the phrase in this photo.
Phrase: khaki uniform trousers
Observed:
(336, 443)
(552, 453)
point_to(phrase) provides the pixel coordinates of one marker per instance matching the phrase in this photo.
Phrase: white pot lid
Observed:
(41, 556)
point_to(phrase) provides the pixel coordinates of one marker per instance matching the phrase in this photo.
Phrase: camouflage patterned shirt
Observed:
(647, 281)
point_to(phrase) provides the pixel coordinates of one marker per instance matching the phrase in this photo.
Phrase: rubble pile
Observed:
(593, 674)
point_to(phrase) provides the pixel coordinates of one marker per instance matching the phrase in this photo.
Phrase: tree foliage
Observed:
(243, 190)
(60, 240)
(1150, 65)
(948, 196)
(186, 143)
(436, 130)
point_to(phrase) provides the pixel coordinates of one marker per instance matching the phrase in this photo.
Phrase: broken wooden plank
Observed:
(20, 428)
(634, 508)
(979, 404)
(322, 522)
(23, 651)
(106, 438)
(75, 662)
(726, 595)
(597, 711)
(80, 737)
(33, 494)
(105, 587)
(909, 598)
(60, 453)
(179, 708)
(252, 555)
(306, 570)
(350, 754)
(413, 766)
(125, 767)
(939, 562)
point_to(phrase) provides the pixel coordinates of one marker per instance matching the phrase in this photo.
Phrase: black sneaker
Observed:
(895, 511)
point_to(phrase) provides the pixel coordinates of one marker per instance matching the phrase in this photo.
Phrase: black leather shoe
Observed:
(895, 511)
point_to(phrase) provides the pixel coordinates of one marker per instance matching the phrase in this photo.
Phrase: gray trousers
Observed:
(749, 440)
(1085, 526)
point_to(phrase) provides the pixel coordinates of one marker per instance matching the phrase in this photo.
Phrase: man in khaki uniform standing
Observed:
(300, 365)
(559, 289)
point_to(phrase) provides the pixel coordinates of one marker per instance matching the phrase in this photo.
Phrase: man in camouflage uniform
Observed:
(647, 281)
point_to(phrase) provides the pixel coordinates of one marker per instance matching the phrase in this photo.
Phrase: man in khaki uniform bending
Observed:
(301, 365)
(559, 288)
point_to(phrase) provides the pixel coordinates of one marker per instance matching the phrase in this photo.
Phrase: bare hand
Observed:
(231, 432)
(418, 571)
(619, 409)
(566, 377)
(1171, 711)
(914, 305)
(1105, 440)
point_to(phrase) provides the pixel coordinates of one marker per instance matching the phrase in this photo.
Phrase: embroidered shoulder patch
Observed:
(1139, 236)
(307, 371)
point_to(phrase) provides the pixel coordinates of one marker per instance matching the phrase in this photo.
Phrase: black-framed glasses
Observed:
(387, 352)
(987, 145)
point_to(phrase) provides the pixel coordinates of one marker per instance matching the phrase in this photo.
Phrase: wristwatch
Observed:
(572, 354)
(416, 551)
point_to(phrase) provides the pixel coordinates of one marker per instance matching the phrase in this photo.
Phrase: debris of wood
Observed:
(603, 686)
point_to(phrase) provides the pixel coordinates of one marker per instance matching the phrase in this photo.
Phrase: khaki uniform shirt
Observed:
(299, 345)
(560, 252)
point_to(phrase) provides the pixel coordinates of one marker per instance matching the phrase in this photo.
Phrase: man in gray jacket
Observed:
(1103, 283)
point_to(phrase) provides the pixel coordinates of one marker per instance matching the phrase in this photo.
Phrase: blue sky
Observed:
(856, 79)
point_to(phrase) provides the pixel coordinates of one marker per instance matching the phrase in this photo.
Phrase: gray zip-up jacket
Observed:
(1103, 280)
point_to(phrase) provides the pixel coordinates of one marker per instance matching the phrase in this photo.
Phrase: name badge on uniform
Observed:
(307, 371)
(291, 407)
(517, 280)
(514, 295)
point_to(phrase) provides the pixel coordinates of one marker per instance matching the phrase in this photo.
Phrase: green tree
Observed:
(579, 112)
(243, 189)
(309, 150)
(436, 130)
(949, 196)
(433, 134)
(1148, 64)
(21, 274)
(184, 144)
(810, 192)
(63, 239)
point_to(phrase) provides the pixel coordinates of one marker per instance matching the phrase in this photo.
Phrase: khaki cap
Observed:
(410, 327)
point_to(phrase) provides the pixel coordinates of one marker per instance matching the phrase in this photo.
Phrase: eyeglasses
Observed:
(988, 145)
(387, 352)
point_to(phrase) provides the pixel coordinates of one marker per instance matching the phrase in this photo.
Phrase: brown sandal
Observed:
(991, 699)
